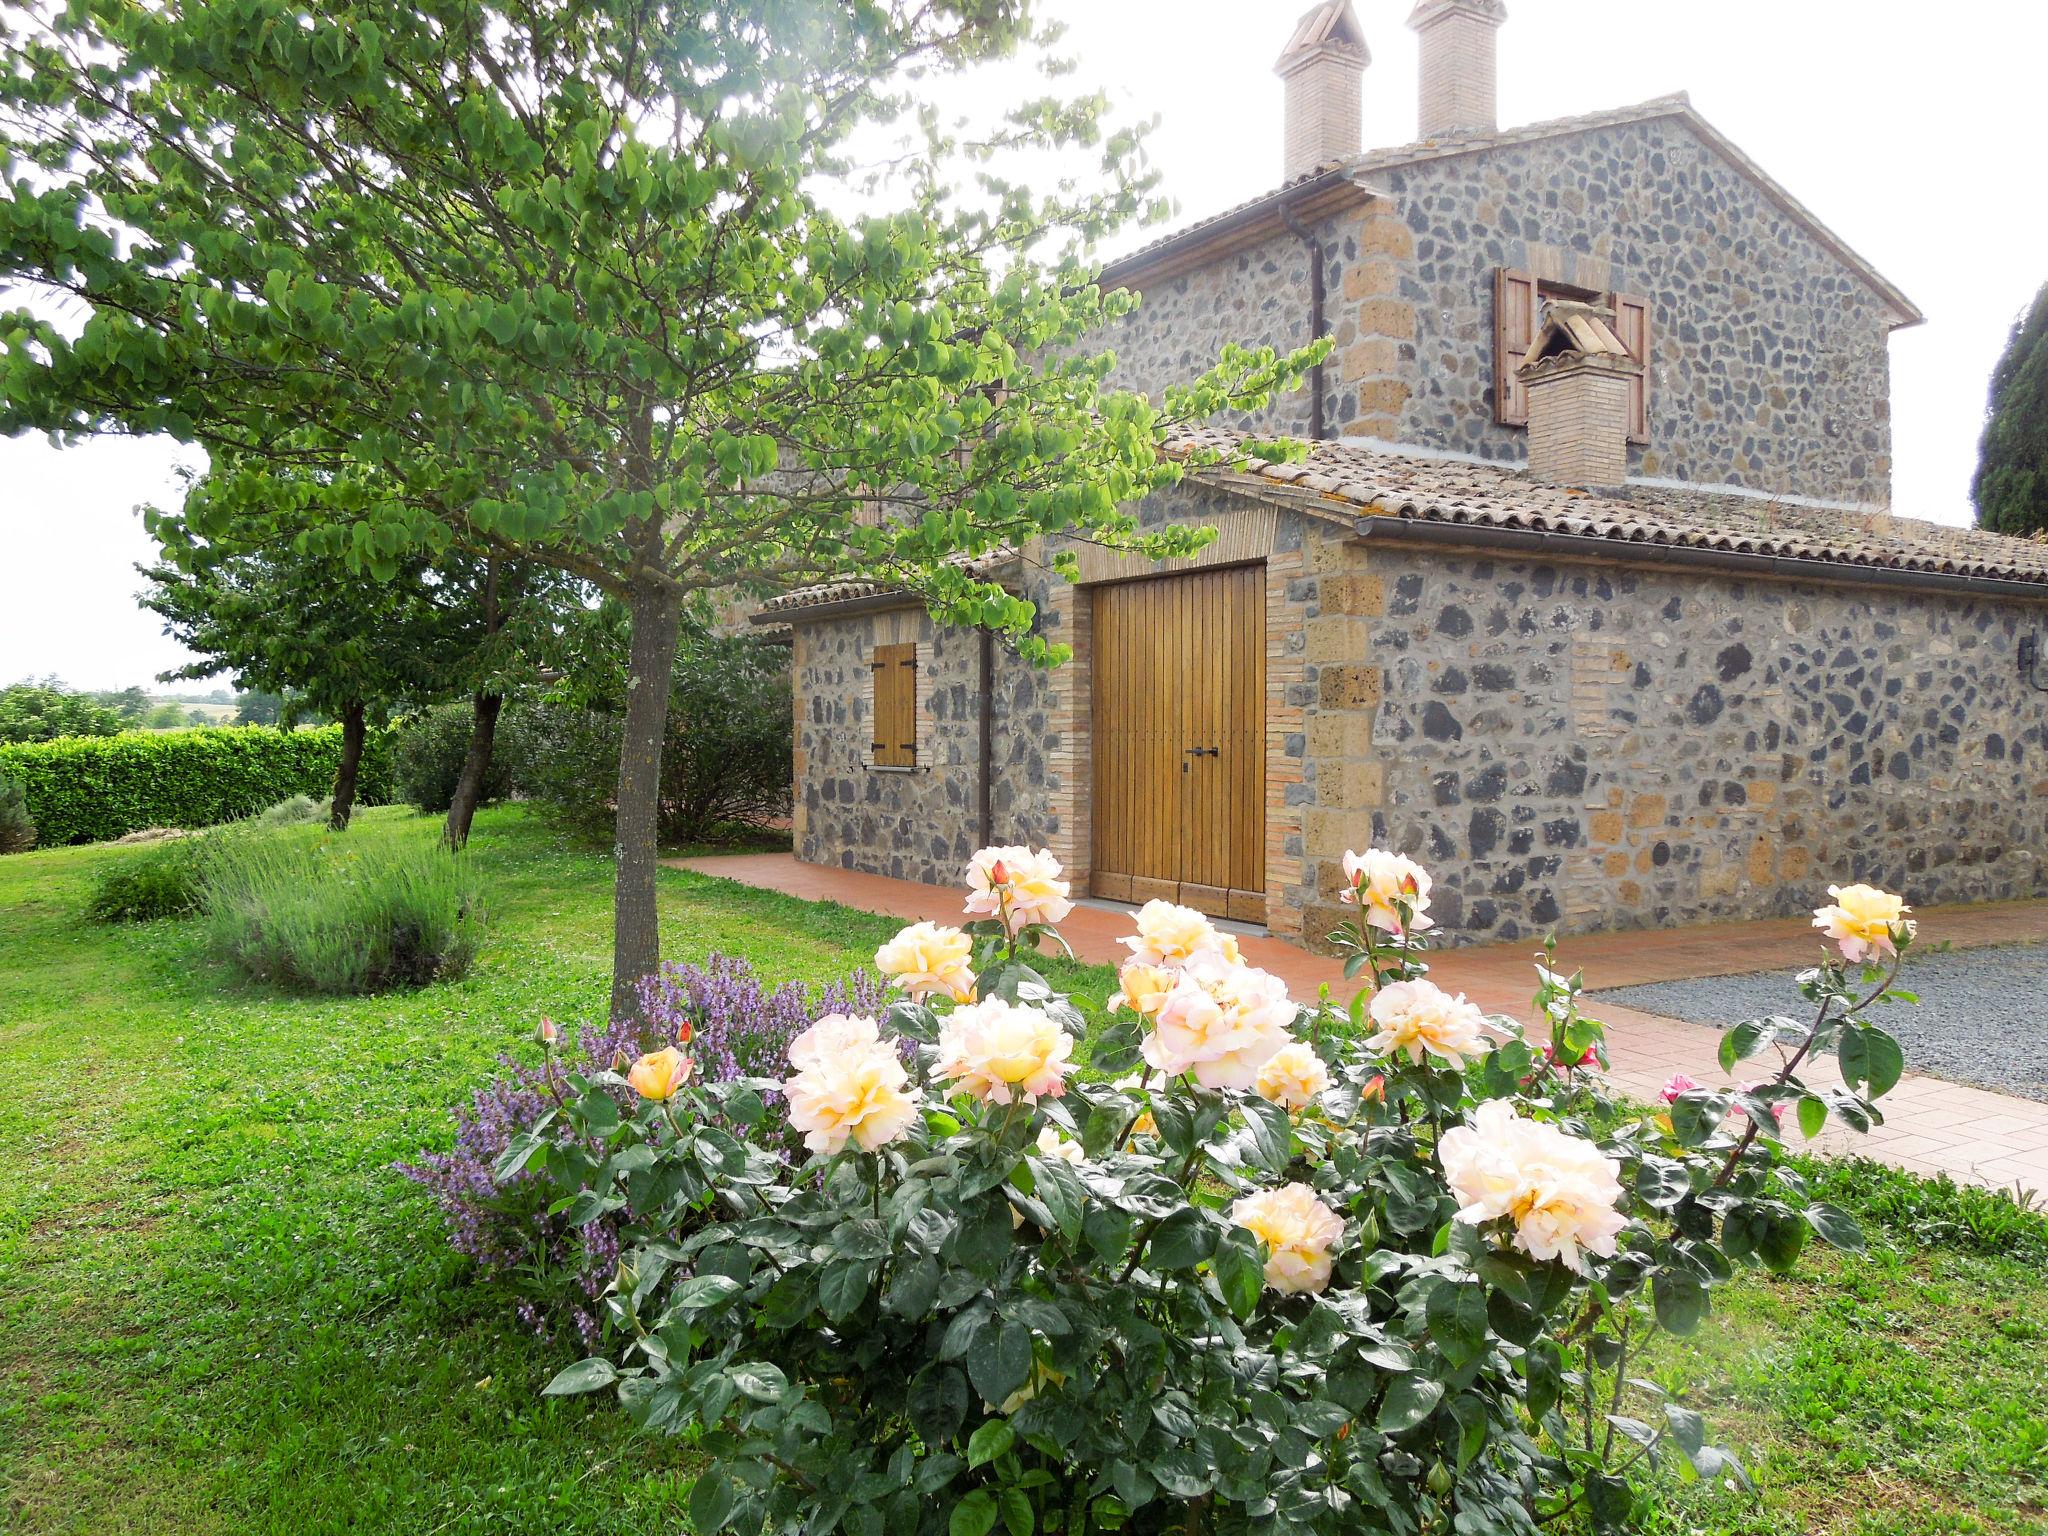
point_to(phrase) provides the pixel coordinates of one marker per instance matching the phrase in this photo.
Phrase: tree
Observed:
(257, 707)
(2011, 488)
(570, 278)
(43, 711)
(336, 640)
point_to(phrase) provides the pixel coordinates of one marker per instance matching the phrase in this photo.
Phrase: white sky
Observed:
(1911, 130)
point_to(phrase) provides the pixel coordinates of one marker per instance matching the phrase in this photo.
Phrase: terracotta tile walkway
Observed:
(1931, 1126)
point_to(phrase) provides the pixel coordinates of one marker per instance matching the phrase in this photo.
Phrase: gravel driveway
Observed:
(1982, 1017)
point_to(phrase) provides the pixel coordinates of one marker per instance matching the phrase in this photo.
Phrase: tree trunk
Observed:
(476, 767)
(656, 612)
(352, 725)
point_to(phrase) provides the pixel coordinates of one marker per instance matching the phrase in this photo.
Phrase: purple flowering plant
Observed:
(735, 1025)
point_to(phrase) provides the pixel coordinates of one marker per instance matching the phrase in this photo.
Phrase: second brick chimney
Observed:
(1578, 376)
(1324, 68)
(1458, 65)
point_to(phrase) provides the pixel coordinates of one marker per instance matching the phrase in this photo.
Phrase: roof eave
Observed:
(1315, 196)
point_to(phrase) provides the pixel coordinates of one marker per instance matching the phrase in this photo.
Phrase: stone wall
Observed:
(1591, 747)
(1569, 747)
(1769, 369)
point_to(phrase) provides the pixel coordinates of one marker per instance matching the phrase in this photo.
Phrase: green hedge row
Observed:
(86, 789)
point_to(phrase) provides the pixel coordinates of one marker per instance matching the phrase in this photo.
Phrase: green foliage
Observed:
(428, 750)
(159, 881)
(91, 789)
(38, 712)
(17, 827)
(320, 916)
(725, 759)
(1935, 1212)
(293, 811)
(1030, 1309)
(2011, 487)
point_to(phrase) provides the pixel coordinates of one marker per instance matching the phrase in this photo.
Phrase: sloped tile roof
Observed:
(1349, 481)
(1360, 167)
(855, 588)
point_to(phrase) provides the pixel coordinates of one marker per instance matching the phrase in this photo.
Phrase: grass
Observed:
(220, 1311)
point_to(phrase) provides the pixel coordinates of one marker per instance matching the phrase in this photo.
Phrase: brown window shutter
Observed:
(894, 696)
(1515, 313)
(1632, 325)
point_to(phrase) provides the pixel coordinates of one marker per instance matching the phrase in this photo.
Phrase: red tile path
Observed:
(1931, 1126)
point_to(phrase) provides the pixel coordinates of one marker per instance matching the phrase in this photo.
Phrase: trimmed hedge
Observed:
(86, 789)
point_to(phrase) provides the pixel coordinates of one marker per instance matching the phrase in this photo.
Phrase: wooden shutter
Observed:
(1632, 325)
(1515, 314)
(895, 707)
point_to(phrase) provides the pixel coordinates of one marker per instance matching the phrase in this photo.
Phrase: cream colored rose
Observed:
(1560, 1191)
(1297, 1229)
(1415, 1017)
(1018, 887)
(1293, 1076)
(831, 1037)
(1060, 1148)
(997, 1050)
(1142, 988)
(852, 1088)
(1381, 884)
(1864, 923)
(1169, 937)
(927, 960)
(1221, 1022)
(660, 1075)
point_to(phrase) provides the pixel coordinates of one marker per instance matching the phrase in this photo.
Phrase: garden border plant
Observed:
(1304, 1269)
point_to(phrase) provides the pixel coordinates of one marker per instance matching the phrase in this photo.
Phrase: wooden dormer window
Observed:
(894, 706)
(1518, 300)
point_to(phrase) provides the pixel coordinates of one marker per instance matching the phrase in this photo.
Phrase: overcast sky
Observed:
(1911, 130)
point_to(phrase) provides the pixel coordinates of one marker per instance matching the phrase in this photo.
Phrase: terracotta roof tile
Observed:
(1352, 481)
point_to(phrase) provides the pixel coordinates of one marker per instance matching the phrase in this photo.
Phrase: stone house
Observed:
(1588, 594)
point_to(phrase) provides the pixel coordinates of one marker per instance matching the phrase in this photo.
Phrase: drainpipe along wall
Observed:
(987, 744)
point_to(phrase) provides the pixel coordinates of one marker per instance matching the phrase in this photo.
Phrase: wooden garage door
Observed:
(1180, 741)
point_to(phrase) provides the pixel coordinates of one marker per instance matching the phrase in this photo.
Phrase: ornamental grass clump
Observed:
(1385, 1267)
(160, 881)
(322, 916)
(557, 1264)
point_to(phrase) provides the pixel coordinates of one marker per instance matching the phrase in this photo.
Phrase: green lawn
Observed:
(221, 1311)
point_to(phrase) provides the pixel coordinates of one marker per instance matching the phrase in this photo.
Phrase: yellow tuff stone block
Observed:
(1647, 811)
(1338, 637)
(1355, 592)
(1387, 317)
(1351, 687)
(1355, 784)
(1605, 827)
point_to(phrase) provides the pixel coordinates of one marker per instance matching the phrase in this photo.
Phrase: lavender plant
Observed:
(557, 1269)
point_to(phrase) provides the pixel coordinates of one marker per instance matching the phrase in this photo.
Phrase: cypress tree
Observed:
(2011, 488)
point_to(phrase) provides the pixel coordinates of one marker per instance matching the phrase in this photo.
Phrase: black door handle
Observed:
(1205, 751)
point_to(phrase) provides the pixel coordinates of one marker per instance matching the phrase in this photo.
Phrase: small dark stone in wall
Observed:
(1439, 724)
(1706, 705)
(1733, 662)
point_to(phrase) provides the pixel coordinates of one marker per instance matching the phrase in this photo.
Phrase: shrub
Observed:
(92, 789)
(161, 881)
(726, 757)
(1390, 1268)
(17, 827)
(295, 811)
(428, 751)
(556, 1268)
(318, 916)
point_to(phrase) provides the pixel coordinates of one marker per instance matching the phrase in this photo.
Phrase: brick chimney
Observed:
(1458, 65)
(1324, 68)
(1578, 377)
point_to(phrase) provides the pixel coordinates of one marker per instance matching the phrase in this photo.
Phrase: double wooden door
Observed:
(1180, 741)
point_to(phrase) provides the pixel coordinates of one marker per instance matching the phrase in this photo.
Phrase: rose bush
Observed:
(1264, 1267)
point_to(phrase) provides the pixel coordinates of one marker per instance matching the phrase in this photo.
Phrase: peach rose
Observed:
(850, 1085)
(927, 960)
(1381, 884)
(1018, 887)
(1559, 1190)
(1221, 1022)
(1060, 1148)
(1170, 937)
(997, 1050)
(659, 1075)
(1415, 1017)
(1293, 1076)
(1864, 923)
(1297, 1230)
(1142, 988)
